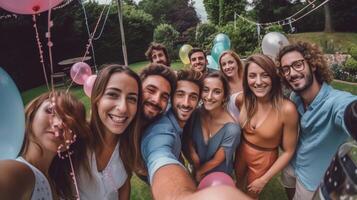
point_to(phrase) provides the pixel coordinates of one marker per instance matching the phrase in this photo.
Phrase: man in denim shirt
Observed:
(323, 122)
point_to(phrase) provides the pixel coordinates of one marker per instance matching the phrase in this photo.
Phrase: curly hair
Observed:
(157, 46)
(313, 56)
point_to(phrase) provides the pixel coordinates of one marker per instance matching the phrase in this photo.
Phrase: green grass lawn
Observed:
(341, 41)
(141, 191)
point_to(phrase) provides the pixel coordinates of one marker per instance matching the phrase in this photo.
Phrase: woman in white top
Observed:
(52, 120)
(114, 144)
(232, 68)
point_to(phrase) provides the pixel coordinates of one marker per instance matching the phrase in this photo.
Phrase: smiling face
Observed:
(158, 56)
(47, 128)
(185, 100)
(212, 93)
(299, 81)
(259, 81)
(156, 95)
(229, 66)
(118, 105)
(198, 62)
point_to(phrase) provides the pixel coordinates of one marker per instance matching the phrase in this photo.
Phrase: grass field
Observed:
(141, 191)
(341, 41)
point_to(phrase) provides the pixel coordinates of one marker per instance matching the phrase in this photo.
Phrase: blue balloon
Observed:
(224, 39)
(217, 50)
(12, 118)
(211, 62)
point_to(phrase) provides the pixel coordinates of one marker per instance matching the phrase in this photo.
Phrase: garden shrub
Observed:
(167, 35)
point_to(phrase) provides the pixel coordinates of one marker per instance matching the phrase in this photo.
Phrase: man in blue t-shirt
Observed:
(325, 117)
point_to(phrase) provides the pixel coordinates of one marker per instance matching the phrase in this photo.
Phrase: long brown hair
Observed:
(236, 58)
(275, 95)
(73, 114)
(129, 140)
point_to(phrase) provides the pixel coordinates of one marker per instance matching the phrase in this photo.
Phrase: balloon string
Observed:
(49, 42)
(88, 45)
(74, 176)
(88, 31)
(39, 45)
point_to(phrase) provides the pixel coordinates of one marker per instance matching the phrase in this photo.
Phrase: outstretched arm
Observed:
(289, 141)
(350, 119)
(172, 182)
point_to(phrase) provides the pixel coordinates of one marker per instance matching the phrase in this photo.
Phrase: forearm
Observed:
(350, 119)
(279, 164)
(211, 164)
(172, 182)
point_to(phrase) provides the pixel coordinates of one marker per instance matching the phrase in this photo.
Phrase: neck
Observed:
(309, 94)
(235, 84)
(40, 159)
(110, 139)
(212, 114)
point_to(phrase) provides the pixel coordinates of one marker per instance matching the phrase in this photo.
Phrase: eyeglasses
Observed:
(296, 65)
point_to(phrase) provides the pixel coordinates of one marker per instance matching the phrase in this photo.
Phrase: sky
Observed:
(199, 7)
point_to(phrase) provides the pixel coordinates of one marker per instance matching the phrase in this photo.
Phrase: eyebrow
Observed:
(119, 90)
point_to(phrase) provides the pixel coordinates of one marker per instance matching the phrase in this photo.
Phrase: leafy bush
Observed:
(167, 35)
(351, 65)
(205, 35)
(353, 51)
(341, 73)
(329, 46)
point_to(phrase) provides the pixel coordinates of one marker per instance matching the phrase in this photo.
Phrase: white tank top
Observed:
(42, 189)
(232, 108)
(105, 184)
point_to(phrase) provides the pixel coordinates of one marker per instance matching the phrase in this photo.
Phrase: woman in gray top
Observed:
(215, 135)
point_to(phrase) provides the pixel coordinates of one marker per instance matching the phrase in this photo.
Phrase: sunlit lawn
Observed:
(140, 191)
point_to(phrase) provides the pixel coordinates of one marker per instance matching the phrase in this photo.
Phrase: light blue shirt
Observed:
(161, 144)
(322, 131)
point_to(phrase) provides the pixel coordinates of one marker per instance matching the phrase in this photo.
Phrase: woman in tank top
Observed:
(113, 147)
(232, 68)
(55, 126)
(268, 121)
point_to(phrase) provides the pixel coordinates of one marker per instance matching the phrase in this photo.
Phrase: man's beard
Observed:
(309, 80)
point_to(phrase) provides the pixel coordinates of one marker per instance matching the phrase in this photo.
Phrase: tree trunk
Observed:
(328, 20)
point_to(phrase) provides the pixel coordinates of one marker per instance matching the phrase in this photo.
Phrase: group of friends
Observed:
(172, 128)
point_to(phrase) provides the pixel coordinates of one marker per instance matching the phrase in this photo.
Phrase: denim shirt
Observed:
(161, 144)
(322, 131)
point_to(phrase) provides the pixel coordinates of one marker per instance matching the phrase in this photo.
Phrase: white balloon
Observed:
(272, 43)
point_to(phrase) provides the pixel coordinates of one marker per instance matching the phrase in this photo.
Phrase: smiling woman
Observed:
(52, 122)
(114, 142)
(265, 126)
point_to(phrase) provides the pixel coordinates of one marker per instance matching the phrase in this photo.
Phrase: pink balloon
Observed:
(215, 179)
(28, 6)
(88, 85)
(80, 71)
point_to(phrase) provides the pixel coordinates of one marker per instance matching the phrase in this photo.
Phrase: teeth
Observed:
(117, 119)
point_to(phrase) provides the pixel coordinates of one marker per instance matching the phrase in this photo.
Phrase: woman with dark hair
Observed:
(55, 128)
(214, 135)
(114, 144)
(268, 121)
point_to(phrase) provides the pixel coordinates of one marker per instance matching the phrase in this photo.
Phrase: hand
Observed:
(257, 185)
(199, 175)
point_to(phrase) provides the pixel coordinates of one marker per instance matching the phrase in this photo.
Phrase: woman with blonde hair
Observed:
(232, 68)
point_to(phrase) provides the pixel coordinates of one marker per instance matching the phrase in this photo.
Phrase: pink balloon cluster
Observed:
(81, 74)
(215, 179)
(28, 6)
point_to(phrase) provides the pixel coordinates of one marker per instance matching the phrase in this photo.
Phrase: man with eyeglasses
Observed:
(327, 117)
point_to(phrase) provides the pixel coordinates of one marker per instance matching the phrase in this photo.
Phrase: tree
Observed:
(222, 11)
(167, 35)
(180, 13)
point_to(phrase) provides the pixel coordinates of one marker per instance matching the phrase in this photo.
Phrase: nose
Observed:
(209, 96)
(156, 97)
(186, 101)
(258, 80)
(122, 105)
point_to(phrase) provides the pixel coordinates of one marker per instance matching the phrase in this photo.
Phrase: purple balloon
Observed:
(215, 179)
(80, 71)
(88, 85)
